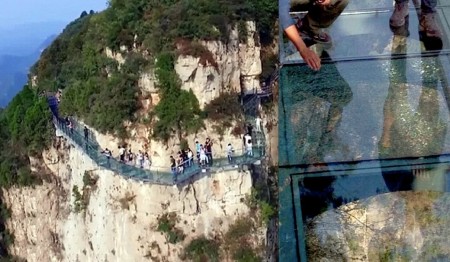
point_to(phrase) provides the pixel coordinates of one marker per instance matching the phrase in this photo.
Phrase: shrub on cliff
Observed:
(178, 112)
(202, 249)
(28, 119)
(167, 226)
(224, 111)
(237, 244)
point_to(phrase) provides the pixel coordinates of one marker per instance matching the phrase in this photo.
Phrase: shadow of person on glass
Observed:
(411, 130)
(319, 101)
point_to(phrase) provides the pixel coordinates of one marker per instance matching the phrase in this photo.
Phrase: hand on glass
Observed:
(310, 58)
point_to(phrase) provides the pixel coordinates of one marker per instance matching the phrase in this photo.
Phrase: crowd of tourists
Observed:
(140, 159)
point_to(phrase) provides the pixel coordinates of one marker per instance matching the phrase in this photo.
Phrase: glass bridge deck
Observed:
(364, 143)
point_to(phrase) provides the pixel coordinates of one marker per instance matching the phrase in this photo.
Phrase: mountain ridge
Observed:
(14, 71)
(23, 39)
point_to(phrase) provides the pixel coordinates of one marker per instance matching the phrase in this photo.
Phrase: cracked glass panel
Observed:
(364, 143)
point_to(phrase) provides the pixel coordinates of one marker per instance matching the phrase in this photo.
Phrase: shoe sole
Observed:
(311, 41)
(308, 38)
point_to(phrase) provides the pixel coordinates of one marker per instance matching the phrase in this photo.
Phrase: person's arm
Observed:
(289, 28)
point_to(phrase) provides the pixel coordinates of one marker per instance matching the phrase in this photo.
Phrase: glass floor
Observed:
(364, 143)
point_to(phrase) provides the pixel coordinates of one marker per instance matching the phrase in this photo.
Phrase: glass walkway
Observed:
(364, 143)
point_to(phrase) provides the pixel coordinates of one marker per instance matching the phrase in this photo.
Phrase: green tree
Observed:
(178, 112)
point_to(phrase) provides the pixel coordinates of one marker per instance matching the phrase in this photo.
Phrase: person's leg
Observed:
(401, 11)
(323, 16)
(174, 174)
(427, 19)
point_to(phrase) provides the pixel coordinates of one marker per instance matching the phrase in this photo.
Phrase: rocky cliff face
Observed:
(234, 66)
(116, 219)
(402, 226)
(238, 66)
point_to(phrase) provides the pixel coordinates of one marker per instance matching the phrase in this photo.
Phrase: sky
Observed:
(16, 12)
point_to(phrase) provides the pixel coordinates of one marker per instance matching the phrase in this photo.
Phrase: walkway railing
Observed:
(154, 175)
(266, 88)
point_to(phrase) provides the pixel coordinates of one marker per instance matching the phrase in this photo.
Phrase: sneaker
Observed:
(428, 25)
(321, 37)
(399, 15)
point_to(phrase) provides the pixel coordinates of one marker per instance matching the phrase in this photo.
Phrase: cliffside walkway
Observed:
(156, 175)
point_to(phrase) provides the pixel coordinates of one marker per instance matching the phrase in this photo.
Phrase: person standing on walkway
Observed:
(86, 137)
(249, 147)
(108, 155)
(250, 128)
(147, 162)
(258, 124)
(140, 159)
(208, 149)
(203, 156)
(230, 152)
(70, 126)
(173, 168)
(190, 156)
(122, 153)
(320, 14)
(130, 157)
(86, 133)
(197, 150)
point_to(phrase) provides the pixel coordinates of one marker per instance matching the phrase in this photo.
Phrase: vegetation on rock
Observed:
(202, 249)
(167, 226)
(237, 244)
(178, 112)
(225, 111)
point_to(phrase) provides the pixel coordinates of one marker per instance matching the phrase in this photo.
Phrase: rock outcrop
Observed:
(236, 67)
(403, 226)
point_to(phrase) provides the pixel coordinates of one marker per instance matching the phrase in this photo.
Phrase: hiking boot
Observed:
(401, 30)
(399, 15)
(428, 26)
(305, 31)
